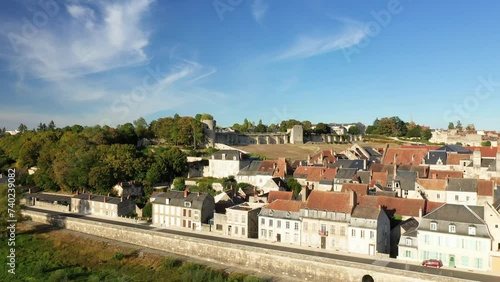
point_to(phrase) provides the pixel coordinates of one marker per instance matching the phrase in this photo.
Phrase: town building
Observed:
(242, 220)
(280, 222)
(102, 205)
(129, 188)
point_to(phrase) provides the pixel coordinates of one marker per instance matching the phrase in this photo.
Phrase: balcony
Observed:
(323, 233)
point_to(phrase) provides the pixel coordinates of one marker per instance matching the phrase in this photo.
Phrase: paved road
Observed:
(395, 265)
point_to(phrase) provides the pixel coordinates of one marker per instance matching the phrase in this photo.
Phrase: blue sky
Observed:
(110, 62)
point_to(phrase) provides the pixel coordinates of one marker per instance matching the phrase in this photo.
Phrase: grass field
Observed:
(56, 255)
(300, 152)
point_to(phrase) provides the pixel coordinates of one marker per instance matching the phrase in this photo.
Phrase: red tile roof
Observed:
(443, 174)
(404, 156)
(454, 159)
(283, 168)
(267, 166)
(376, 167)
(393, 205)
(323, 157)
(485, 187)
(331, 201)
(430, 148)
(279, 195)
(286, 205)
(380, 177)
(433, 184)
(486, 152)
(360, 189)
(430, 206)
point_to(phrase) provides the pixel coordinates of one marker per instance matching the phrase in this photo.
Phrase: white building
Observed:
(280, 222)
(461, 191)
(242, 220)
(369, 231)
(227, 162)
(457, 235)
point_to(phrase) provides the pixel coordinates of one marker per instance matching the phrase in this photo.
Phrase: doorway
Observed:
(323, 242)
(278, 237)
(452, 261)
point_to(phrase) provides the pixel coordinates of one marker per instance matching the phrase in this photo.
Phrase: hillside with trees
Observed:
(395, 127)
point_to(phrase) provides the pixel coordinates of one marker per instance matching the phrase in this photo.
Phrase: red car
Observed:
(432, 262)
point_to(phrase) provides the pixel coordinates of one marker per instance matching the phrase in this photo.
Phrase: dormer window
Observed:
(472, 230)
(434, 226)
(408, 241)
(288, 214)
(167, 201)
(452, 228)
(187, 204)
(271, 212)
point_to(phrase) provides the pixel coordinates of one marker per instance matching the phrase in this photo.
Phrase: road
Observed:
(395, 265)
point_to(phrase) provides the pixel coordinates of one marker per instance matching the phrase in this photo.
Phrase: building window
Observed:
(456, 198)
(438, 196)
(243, 218)
(187, 204)
(426, 239)
(408, 254)
(478, 263)
(288, 214)
(372, 234)
(243, 231)
(236, 230)
(278, 224)
(434, 226)
(472, 230)
(467, 198)
(262, 221)
(271, 212)
(287, 225)
(263, 233)
(183, 212)
(332, 229)
(342, 231)
(465, 261)
(362, 234)
(452, 228)
(270, 234)
(270, 223)
(218, 227)
(353, 233)
(296, 226)
(408, 241)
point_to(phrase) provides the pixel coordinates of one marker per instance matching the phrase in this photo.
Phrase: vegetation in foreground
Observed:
(59, 256)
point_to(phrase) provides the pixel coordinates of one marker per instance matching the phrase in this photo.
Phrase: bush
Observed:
(171, 263)
(119, 256)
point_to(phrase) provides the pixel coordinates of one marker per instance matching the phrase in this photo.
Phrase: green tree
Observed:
(426, 134)
(294, 186)
(260, 127)
(141, 127)
(459, 126)
(451, 125)
(22, 128)
(486, 143)
(101, 179)
(354, 130)
(322, 128)
(52, 125)
(179, 184)
(147, 211)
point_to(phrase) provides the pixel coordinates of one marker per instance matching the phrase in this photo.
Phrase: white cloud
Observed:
(309, 46)
(259, 10)
(95, 38)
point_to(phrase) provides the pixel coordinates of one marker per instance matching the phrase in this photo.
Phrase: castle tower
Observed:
(209, 131)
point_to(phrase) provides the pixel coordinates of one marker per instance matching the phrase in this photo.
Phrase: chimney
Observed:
(304, 193)
(186, 192)
(331, 152)
(395, 159)
(121, 199)
(352, 199)
(29, 191)
(420, 213)
(379, 207)
(198, 193)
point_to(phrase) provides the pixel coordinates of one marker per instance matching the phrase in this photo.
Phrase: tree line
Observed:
(396, 127)
(308, 128)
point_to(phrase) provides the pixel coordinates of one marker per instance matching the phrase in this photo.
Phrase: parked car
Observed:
(432, 262)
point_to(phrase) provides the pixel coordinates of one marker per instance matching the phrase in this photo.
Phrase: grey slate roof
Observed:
(409, 227)
(462, 185)
(177, 199)
(346, 173)
(406, 179)
(99, 198)
(458, 213)
(455, 149)
(250, 169)
(433, 157)
(365, 212)
(358, 164)
(230, 155)
(364, 177)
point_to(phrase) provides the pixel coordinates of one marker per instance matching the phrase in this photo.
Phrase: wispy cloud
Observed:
(97, 36)
(306, 46)
(259, 10)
